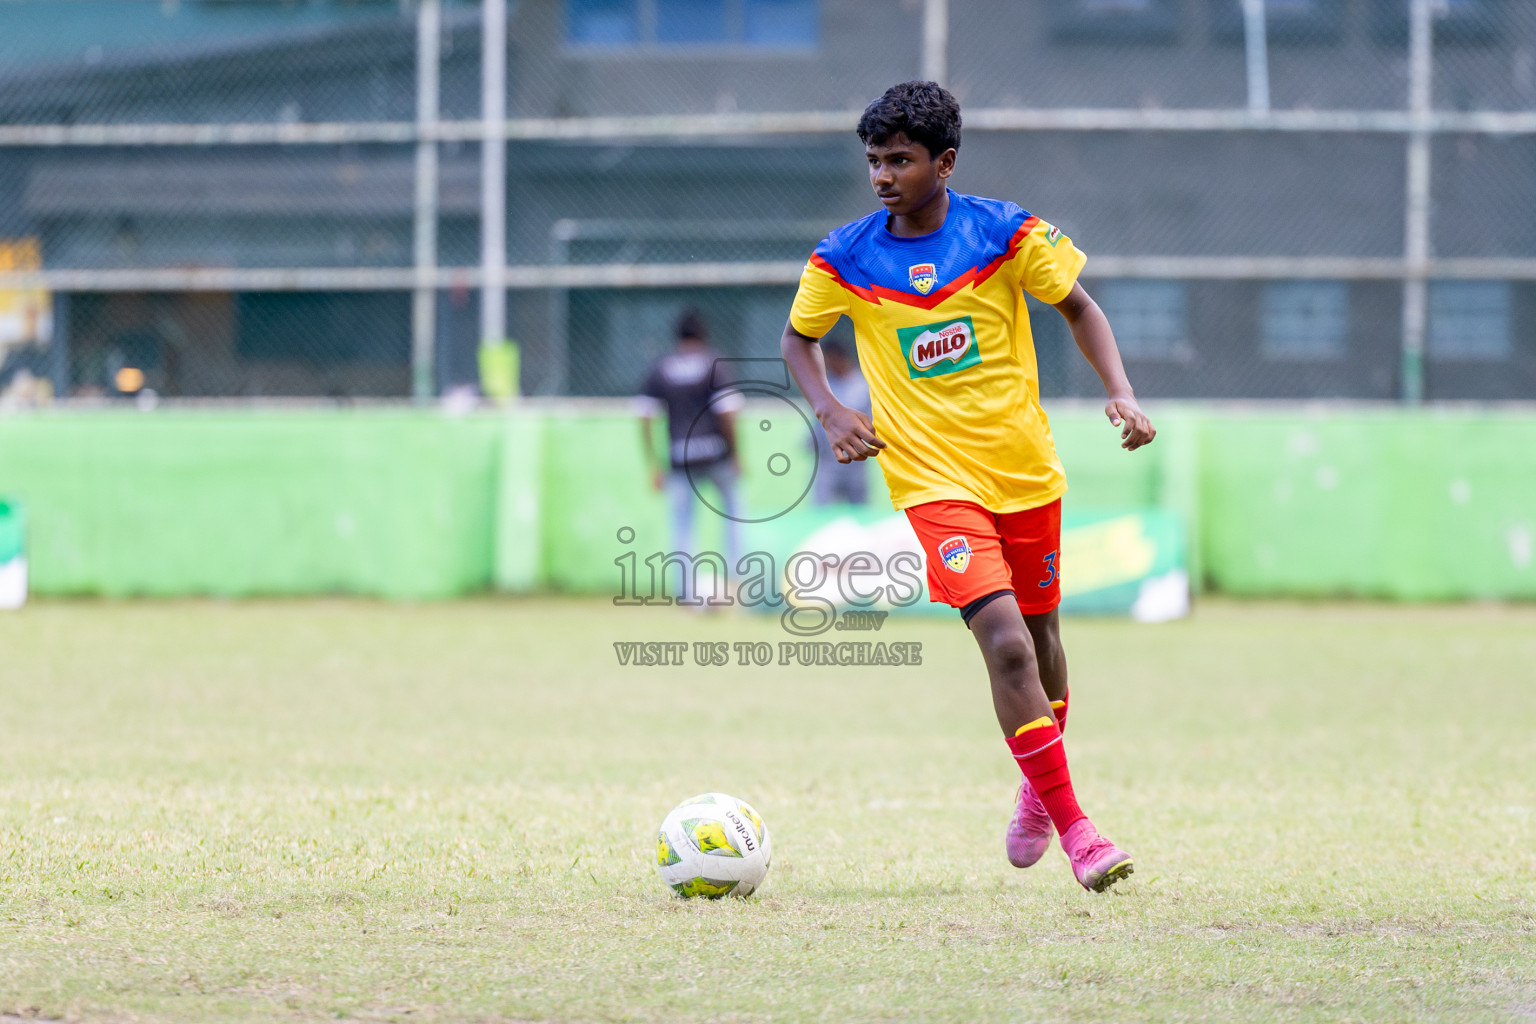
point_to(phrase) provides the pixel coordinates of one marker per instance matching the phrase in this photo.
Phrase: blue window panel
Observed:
(692, 22)
(1150, 318)
(1459, 20)
(1288, 21)
(1304, 320)
(603, 22)
(1469, 320)
(325, 329)
(786, 23)
(1114, 20)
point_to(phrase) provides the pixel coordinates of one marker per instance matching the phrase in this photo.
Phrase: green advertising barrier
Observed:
(518, 532)
(404, 503)
(596, 482)
(13, 554)
(397, 504)
(13, 530)
(1426, 505)
(1128, 562)
(1132, 562)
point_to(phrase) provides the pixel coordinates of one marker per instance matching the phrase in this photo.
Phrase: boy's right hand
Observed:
(1136, 430)
(851, 434)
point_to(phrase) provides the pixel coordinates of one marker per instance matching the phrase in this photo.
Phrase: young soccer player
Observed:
(934, 284)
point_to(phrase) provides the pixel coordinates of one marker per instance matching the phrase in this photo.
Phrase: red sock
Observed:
(1059, 707)
(1044, 763)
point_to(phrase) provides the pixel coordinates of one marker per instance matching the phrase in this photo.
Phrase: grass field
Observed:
(215, 811)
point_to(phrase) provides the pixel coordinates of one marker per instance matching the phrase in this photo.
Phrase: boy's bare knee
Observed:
(1016, 660)
(1010, 652)
(1005, 641)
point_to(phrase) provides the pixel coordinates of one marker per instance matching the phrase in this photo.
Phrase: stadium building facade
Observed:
(1280, 244)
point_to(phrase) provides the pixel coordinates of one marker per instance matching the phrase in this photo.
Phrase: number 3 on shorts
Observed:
(1050, 570)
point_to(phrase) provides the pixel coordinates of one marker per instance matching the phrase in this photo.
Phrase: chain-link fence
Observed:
(1280, 198)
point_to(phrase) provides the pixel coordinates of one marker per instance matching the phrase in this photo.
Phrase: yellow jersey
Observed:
(943, 337)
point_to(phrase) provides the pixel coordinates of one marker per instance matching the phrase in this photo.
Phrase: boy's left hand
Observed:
(1136, 430)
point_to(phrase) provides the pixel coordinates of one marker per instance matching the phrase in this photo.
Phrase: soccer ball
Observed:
(713, 845)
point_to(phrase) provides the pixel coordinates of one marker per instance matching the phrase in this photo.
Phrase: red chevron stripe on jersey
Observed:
(975, 276)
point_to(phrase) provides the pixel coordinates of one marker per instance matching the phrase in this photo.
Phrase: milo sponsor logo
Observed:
(929, 349)
(932, 350)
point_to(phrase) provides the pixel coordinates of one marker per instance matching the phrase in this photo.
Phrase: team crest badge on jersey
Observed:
(923, 276)
(956, 553)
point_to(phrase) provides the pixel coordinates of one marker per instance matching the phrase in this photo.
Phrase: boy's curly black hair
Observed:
(924, 111)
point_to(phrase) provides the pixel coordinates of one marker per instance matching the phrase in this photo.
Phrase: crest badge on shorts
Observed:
(956, 553)
(923, 277)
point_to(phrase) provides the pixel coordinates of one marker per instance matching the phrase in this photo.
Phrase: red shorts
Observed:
(972, 553)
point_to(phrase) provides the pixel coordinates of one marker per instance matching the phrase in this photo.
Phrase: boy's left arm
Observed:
(1090, 329)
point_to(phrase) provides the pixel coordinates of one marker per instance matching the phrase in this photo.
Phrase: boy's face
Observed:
(905, 175)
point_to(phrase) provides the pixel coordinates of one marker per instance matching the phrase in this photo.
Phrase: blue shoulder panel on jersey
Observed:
(975, 233)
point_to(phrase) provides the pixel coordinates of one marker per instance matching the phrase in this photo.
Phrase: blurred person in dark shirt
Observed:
(694, 389)
(843, 481)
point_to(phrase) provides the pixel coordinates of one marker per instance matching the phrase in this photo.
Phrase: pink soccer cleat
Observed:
(1095, 860)
(1029, 831)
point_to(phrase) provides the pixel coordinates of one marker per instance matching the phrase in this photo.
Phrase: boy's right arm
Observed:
(849, 431)
(1090, 329)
